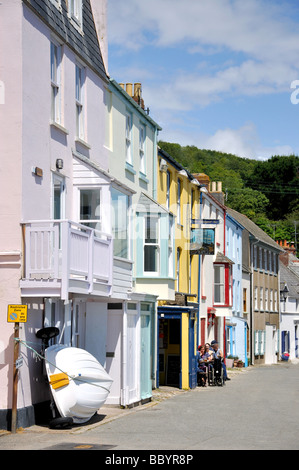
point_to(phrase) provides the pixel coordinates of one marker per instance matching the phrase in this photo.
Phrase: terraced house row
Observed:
(104, 235)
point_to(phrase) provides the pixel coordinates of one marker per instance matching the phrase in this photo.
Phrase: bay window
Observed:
(223, 284)
(120, 223)
(90, 208)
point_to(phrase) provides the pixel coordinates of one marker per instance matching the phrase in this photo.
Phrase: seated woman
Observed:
(201, 367)
(208, 352)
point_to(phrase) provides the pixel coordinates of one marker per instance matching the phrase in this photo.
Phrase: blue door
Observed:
(192, 357)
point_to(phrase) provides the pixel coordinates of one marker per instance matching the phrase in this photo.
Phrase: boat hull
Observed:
(79, 383)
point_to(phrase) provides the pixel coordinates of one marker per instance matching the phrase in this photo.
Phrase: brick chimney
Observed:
(202, 179)
(215, 189)
(136, 94)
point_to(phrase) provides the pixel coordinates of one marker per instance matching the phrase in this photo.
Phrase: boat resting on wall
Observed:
(79, 383)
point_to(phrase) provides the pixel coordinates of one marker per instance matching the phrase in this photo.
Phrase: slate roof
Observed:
(289, 278)
(253, 229)
(221, 258)
(85, 45)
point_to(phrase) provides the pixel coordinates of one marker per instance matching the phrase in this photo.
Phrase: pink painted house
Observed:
(56, 243)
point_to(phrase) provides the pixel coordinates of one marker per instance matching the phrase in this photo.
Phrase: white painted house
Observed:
(131, 141)
(57, 253)
(289, 310)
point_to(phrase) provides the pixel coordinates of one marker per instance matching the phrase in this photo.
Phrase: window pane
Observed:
(120, 222)
(78, 83)
(150, 258)
(219, 274)
(219, 294)
(90, 206)
(151, 230)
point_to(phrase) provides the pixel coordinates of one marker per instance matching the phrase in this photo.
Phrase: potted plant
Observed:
(240, 363)
(229, 361)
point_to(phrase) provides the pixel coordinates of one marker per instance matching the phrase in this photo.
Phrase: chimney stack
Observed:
(136, 95)
(202, 179)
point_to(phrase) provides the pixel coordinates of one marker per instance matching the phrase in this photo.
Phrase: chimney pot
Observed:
(129, 88)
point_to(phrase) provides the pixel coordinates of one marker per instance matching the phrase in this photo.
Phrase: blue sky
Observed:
(216, 74)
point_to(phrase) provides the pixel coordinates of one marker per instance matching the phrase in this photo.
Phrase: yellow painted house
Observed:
(179, 193)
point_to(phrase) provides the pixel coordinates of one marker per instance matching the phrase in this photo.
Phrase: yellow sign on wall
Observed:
(17, 314)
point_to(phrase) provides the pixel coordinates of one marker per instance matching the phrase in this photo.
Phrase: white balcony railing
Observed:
(71, 253)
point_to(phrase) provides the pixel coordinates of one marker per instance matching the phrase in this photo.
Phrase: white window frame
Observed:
(178, 267)
(220, 284)
(128, 133)
(117, 219)
(57, 3)
(261, 299)
(80, 101)
(75, 11)
(58, 180)
(155, 244)
(271, 299)
(142, 155)
(255, 298)
(168, 179)
(179, 194)
(255, 257)
(55, 65)
(97, 221)
(170, 246)
(259, 342)
(266, 299)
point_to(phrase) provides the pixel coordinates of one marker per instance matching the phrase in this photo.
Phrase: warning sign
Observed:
(17, 313)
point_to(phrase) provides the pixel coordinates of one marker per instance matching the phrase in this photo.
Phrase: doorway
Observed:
(170, 351)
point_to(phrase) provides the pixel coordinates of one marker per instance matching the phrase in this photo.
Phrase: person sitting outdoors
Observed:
(217, 354)
(208, 354)
(201, 367)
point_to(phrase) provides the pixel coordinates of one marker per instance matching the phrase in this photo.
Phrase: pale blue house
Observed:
(236, 325)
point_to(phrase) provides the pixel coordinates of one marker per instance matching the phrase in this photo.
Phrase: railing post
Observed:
(91, 257)
(65, 268)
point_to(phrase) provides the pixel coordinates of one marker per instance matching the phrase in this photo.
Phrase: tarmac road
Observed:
(258, 409)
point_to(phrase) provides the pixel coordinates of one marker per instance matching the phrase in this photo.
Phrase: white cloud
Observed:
(263, 42)
(243, 142)
(213, 50)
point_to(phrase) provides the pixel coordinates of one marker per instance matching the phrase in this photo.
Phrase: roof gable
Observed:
(85, 45)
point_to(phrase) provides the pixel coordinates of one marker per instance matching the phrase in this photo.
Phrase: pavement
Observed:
(109, 413)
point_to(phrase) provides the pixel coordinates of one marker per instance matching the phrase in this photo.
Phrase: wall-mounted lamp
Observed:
(284, 293)
(59, 163)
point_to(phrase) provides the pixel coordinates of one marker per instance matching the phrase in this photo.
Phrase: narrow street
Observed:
(258, 409)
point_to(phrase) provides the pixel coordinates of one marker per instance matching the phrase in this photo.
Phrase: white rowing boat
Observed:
(79, 383)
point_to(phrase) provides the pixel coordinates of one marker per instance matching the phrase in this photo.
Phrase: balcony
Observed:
(63, 257)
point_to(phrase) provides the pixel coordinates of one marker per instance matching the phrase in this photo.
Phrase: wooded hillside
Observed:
(266, 191)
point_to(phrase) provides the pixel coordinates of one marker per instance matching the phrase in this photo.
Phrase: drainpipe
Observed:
(251, 301)
(199, 279)
(155, 164)
(123, 393)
